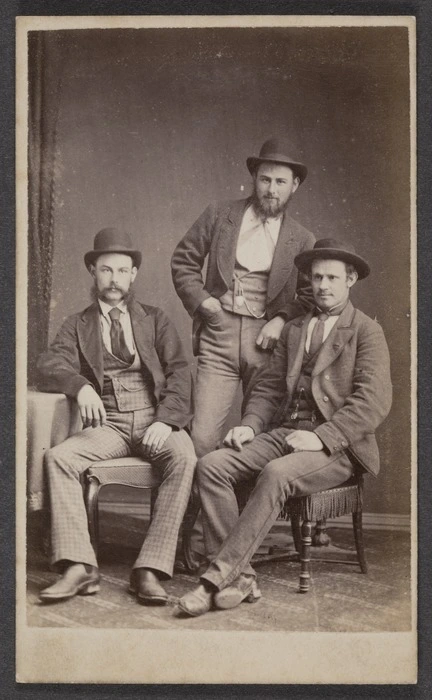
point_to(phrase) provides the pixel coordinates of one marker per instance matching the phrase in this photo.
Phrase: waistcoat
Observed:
(132, 389)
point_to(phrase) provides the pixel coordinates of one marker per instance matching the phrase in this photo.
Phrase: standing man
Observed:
(250, 288)
(123, 363)
(308, 425)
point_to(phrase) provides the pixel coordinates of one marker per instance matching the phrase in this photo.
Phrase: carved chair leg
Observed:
(153, 497)
(91, 497)
(306, 541)
(358, 537)
(296, 532)
(187, 526)
(320, 537)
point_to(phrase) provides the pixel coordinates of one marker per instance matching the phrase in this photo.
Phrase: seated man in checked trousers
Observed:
(123, 363)
(308, 425)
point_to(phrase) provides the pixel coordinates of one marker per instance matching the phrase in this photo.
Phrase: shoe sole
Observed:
(148, 600)
(87, 589)
(232, 600)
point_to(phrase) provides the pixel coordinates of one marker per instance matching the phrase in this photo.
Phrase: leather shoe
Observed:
(78, 579)
(144, 583)
(196, 602)
(244, 588)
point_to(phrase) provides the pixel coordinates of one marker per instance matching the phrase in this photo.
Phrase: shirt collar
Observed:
(106, 308)
(256, 219)
(334, 311)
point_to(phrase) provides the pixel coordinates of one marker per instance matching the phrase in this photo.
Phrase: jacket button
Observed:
(344, 444)
(326, 376)
(325, 398)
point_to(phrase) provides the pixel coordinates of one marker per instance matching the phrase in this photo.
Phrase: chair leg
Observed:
(153, 497)
(190, 516)
(91, 496)
(358, 537)
(306, 541)
(320, 537)
(296, 532)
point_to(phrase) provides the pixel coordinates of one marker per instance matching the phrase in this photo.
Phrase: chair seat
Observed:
(127, 471)
(331, 503)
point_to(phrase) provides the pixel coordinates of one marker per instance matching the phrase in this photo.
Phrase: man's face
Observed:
(113, 274)
(274, 186)
(330, 283)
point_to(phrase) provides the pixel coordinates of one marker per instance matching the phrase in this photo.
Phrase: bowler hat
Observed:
(110, 240)
(277, 151)
(331, 249)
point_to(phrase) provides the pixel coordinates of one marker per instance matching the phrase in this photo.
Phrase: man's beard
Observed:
(128, 296)
(266, 206)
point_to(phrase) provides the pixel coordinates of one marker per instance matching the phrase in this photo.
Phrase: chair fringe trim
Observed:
(326, 504)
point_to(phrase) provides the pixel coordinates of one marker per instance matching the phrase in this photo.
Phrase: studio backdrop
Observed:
(142, 129)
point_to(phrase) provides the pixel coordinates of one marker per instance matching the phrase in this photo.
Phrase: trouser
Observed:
(228, 355)
(121, 435)
(231, 540)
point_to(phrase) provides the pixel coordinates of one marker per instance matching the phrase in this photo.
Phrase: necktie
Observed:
(118, 342)
(317, 334)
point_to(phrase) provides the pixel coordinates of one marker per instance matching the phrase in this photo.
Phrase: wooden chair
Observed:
(302, 511)
(331, 503)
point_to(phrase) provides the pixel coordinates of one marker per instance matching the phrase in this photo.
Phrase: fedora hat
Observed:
(277, 151)
(111, 240)
(331, 249)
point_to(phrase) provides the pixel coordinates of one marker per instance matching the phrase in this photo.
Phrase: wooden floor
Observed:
(341, 599)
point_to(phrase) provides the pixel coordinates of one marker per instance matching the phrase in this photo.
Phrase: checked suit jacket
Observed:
(215, 234)
(76, 358)
(351, 385)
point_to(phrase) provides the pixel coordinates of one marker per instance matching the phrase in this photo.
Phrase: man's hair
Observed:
(349, 268)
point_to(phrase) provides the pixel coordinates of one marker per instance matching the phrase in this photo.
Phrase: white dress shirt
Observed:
(257, 241)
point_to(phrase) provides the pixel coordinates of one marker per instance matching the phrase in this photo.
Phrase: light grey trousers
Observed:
(231, 540)
(122, 435)
(228, 356)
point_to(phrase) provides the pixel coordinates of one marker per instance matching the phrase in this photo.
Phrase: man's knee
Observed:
(55, 458)
(275, 473)
(212, 467)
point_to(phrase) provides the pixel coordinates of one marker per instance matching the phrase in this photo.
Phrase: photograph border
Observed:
(422, 260)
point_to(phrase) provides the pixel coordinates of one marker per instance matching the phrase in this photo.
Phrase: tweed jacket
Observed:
(215, 234)
(351, 384)
(76, 358)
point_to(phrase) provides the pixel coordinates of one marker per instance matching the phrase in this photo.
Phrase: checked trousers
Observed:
(122, 435)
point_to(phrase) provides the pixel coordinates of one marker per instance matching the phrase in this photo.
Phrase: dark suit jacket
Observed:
(351, 384)
(76, 358)
(215, 234)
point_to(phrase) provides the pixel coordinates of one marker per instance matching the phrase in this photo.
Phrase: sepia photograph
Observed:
(216, 283)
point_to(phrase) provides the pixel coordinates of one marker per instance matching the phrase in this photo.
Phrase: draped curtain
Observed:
(46, 57)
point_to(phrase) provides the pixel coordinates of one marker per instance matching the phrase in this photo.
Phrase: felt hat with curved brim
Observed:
(110, 240)
(331, 249)
(276, 151)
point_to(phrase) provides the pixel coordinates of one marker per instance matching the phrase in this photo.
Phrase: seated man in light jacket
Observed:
(309, 425)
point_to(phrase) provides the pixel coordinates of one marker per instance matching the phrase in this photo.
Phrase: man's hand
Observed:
(270, 333)
(90, 407)
(155, 437)
(210, 309)
(304, 441)
(236, 437)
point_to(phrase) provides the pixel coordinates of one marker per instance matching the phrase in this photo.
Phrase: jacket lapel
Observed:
(283, 259)
(338, 337)
(142, 326)
(228, 236)
(295, 349)
(90, 340)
